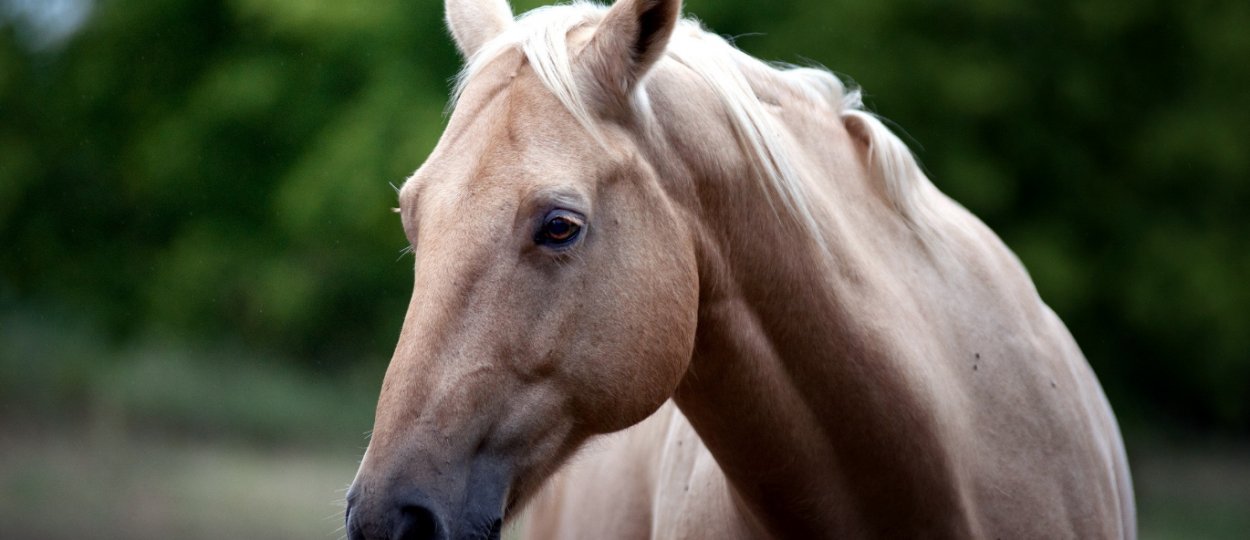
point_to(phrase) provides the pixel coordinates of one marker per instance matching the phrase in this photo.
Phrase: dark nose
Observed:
(411, 518)
(418, 522)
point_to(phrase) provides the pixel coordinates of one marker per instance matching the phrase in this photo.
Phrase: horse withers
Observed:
(729, 286)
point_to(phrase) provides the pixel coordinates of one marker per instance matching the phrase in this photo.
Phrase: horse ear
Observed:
(631, 38)
(475, 22)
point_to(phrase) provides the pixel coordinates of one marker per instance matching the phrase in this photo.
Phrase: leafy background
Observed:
(199, 264)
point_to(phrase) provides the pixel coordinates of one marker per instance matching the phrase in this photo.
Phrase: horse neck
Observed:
(798, 385)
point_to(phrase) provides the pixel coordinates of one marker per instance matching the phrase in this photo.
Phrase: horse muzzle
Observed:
(398, 510)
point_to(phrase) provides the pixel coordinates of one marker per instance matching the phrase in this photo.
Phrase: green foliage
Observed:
(209, 170)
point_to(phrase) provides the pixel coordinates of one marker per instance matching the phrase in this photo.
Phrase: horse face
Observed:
(555, 298)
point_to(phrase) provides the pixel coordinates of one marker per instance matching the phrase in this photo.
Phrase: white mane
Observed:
(542, 35)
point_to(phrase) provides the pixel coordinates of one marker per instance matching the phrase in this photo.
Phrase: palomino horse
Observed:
(628, 222)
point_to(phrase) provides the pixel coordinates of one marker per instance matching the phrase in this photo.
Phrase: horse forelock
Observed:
(546, 36)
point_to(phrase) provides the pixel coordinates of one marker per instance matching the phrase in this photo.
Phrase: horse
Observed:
(731, 293)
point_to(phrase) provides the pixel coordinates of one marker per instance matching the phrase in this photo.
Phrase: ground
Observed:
(107, 482)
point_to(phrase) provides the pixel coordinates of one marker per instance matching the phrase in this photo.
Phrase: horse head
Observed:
(555, 290)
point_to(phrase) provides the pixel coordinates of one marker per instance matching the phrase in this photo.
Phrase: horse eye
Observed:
(560, 228)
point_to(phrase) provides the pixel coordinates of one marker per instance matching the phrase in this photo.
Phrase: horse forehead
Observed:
(469, 158)
(506, 101)
(504, 133)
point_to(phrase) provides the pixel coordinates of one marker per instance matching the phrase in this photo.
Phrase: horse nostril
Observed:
(418, 522)
(353, 530)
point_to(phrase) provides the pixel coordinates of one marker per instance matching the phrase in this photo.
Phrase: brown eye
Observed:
(560, 229)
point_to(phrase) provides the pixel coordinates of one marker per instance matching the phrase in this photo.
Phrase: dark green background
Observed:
(194, 195)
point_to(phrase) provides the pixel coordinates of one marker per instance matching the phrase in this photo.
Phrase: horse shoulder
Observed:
(1032, 406)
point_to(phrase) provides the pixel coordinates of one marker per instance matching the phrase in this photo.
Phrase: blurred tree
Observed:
(219, 169)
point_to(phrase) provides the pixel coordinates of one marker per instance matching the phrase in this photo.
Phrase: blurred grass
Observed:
(70, 482)
(161, 441)
(52, 366)
(99, 482)
(157, 440)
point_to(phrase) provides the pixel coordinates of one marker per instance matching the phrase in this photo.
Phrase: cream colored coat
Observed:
(807, 338)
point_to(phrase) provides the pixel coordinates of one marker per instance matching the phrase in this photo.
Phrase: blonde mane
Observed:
(543, 36)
